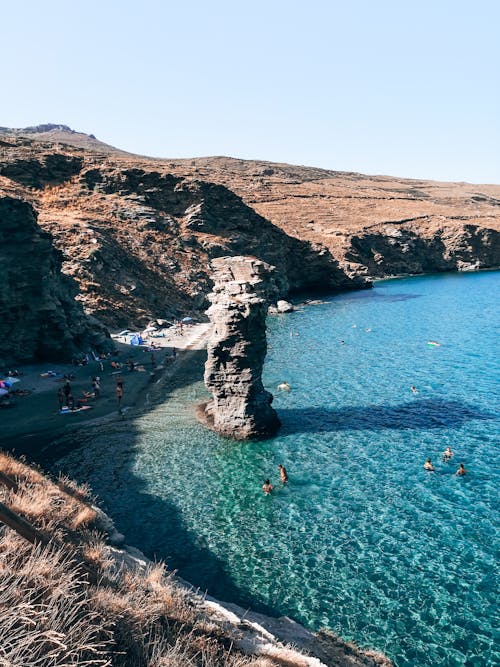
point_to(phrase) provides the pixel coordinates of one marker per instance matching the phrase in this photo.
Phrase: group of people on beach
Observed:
(268, 488)
(447, 455)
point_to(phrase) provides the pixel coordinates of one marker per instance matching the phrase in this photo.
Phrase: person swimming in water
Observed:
(267, 487)
(284, 386)
(283, 474)
(448, 454)
(461, 470)
(428, 466)
(413, 389)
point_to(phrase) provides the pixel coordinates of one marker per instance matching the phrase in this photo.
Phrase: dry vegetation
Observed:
(51, 615)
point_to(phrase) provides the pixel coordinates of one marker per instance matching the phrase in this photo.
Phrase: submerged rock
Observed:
(240, 406)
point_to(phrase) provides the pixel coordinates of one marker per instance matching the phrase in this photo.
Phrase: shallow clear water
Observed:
(362, 540)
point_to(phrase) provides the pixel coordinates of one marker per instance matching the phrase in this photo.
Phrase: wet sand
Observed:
(35, 421)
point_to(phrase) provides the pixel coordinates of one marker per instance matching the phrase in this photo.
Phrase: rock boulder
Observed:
(240, 407)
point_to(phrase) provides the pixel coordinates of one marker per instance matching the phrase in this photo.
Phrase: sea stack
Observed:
(240, 407)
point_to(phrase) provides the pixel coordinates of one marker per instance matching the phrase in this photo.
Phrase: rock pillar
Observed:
(240, 407)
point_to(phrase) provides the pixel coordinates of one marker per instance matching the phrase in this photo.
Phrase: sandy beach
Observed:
(35, 419)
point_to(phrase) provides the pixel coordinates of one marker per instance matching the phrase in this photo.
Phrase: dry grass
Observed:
(51, 615)
(55, 613)
(83, 518)
(81, 492)
(45, 618)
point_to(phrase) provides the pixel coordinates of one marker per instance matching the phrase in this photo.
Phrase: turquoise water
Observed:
(362, 540)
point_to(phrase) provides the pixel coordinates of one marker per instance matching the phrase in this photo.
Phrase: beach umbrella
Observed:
(187, 319)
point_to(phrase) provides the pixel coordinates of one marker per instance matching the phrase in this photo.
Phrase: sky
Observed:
(373, 86)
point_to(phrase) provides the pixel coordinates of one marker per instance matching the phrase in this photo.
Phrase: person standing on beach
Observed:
(96, 386)
(119, 396)
(67, 390)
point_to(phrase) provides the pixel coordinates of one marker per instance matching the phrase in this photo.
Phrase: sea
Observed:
(361, 540)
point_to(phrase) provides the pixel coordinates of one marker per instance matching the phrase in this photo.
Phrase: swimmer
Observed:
(267, 487)
(461, 470)
(283, 474)
(428, 466)
(284, 386)
(413, 389)
(448, 454)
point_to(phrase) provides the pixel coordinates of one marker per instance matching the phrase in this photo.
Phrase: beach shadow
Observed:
(378, 296)
(160, 532)
(151, 523)
(420, 414)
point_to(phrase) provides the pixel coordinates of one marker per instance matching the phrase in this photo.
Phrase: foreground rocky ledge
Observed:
(240, 407)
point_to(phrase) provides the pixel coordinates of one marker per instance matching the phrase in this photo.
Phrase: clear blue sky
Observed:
(376, 86)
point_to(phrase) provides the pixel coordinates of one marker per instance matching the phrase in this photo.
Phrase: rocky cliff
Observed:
(137, 234)
(40, 318)
(375, 226)
(139, 240)
(403, 248)
(240, 407)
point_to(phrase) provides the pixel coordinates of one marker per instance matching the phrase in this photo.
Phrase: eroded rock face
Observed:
(240, 407)
(40, 318)
(408, 250)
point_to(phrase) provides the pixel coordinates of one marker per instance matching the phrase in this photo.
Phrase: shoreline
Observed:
(258, 633)
(33, 427)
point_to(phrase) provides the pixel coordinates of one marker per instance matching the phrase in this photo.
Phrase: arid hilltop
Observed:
(373, 225)
(137, 233)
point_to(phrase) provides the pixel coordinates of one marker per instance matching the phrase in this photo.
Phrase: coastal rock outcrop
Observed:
(40, 318)
(240, 407)
(138, 234)
(408, 249)
(138, 239)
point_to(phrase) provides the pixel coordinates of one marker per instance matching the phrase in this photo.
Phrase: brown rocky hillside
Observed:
(374, 225)
(137, 233)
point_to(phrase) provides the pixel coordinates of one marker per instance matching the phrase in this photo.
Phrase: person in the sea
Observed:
(448, 454)
(461, 470)
(284, 386)
(283, 474)
(60, 397)
(413, 389)
(428, 466)
(267, 487)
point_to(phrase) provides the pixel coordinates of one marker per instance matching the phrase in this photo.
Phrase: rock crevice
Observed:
(240, 407)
